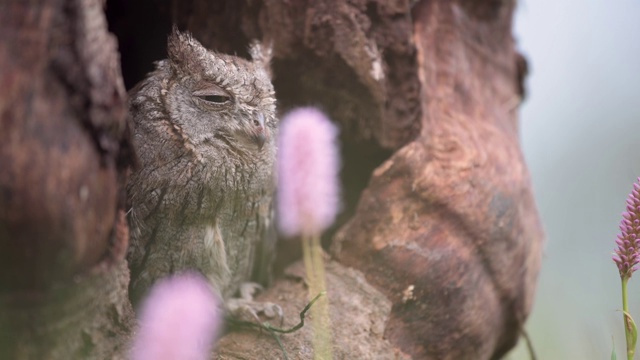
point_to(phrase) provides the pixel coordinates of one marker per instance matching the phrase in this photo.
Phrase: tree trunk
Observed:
(63, 155)
(439, 224)
(426, 94)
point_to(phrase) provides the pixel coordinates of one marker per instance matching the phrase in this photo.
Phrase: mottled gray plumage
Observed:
(204, 129)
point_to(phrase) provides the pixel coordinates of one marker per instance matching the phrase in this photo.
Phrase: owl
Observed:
(201, 199)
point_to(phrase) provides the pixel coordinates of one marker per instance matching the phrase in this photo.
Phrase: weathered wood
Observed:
(447, 227)
(89, 318)
(63, 155)
(358, 311)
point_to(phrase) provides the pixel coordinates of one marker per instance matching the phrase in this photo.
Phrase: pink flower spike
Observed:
(627, 252)
(180, 319)
(308, 162)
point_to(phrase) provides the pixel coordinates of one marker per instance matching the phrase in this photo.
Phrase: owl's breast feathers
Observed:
(173, 213)
(178, 201)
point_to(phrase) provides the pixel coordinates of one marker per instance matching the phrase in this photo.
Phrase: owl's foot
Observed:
(245, 308)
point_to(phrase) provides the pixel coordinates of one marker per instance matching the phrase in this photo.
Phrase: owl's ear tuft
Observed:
(261, 54)
(184, 51)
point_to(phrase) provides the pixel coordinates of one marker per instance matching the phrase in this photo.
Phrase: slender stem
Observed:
(314, 266)
(628, 328)
(308, 264)
(323, 320)
(532, 352)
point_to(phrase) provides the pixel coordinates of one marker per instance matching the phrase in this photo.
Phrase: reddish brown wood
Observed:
(63, 121)
(447, 227)
(63, 154)
(359, 314)
(451, 215)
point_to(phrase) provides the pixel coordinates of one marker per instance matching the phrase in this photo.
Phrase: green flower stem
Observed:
(314, 266)
(630, 330)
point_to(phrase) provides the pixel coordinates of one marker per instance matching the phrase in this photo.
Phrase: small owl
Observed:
(201, 199)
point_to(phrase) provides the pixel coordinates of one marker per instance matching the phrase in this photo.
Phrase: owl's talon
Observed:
(249, 310)
(272, 310)
(249, 289)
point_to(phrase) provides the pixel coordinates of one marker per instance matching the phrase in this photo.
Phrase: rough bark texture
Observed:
(63, 154)
(359, 313)
(355, 58)
(447, 227)
(444, 238)
(89, 318)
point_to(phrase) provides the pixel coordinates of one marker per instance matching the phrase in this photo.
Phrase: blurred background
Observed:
(580, 131)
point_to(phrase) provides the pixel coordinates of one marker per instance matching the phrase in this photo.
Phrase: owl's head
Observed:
(217, 100)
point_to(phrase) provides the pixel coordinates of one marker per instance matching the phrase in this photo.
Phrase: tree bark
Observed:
(446, 227)
(359, 314)
(451, 215)
(439, 225)
(63, 155)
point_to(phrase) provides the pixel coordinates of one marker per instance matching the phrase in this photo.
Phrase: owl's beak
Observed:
(260, 135)
(260, 140)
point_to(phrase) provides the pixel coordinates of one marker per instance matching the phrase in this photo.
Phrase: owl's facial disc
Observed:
(220, 111)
